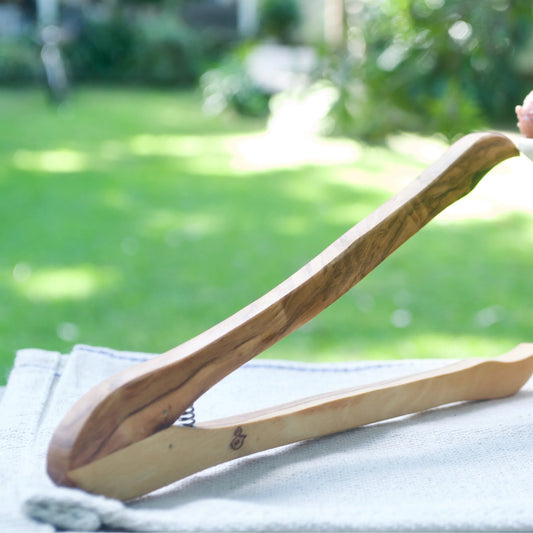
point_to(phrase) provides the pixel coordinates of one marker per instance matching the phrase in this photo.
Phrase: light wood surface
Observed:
(178, 452)
(149, 397)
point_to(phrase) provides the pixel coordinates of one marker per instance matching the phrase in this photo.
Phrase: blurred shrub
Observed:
(19, 61)
(168, 52)
(229, 86)
(431, 65)
(155, 48)
(279, 19)
(126, 41)
(104, 50)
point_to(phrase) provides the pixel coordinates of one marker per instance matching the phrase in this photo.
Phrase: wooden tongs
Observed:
(119, 439)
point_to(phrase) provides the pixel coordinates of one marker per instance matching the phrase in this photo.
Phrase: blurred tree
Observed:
(448, 66)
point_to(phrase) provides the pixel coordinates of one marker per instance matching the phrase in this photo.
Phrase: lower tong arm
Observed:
(178, 452)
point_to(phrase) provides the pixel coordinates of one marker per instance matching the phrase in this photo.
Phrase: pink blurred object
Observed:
(525, 116)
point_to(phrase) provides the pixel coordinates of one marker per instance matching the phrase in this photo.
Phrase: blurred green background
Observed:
(163, 164)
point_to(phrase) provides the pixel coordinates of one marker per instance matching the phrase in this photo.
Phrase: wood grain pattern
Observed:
(178, 452)
(151, 396)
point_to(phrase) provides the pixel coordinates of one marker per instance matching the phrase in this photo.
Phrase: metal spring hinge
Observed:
(188, 418)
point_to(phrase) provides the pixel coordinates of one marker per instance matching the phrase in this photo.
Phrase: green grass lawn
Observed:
(131, 220)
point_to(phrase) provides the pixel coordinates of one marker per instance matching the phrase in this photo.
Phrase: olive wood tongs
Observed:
(119, 439)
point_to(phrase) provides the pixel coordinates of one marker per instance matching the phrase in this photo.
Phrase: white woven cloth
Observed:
(461, 467)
